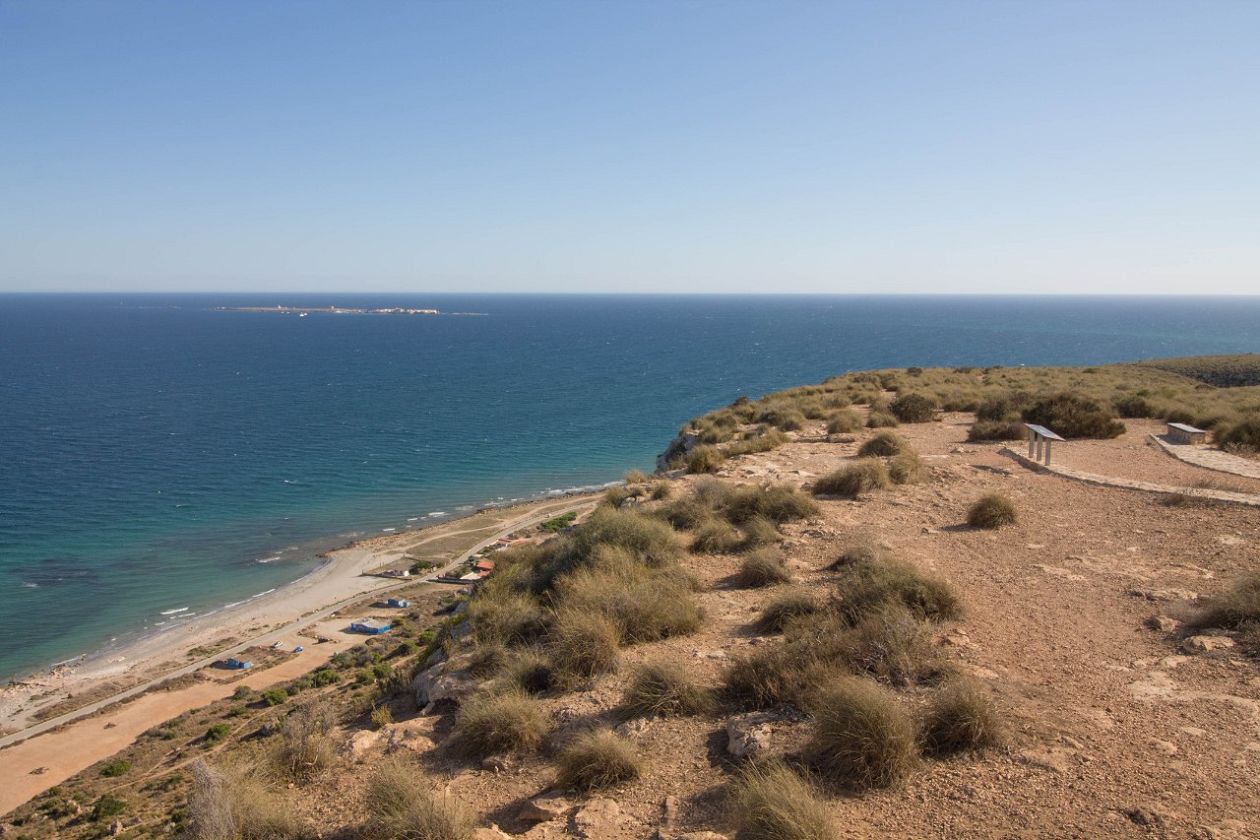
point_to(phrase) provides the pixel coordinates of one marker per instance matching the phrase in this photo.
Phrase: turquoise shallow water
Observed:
(156, 455)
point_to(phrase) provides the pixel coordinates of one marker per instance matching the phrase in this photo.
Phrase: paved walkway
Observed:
(1249, 499)
(1210, 459)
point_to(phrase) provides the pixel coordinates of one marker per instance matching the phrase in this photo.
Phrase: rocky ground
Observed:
(1118, 727)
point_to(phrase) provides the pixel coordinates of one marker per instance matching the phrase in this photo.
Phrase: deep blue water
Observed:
(153, 451)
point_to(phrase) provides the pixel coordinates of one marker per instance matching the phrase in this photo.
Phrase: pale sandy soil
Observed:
(1114, 733)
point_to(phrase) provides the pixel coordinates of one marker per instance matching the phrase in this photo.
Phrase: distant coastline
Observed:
(338, 310)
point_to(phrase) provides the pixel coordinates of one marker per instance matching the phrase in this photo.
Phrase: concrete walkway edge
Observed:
(1248, 499)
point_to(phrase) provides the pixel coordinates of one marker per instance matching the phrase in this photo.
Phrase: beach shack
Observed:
(237, 664)
(370, 626)
(1185, 433)
(483, 567)
(399, 603)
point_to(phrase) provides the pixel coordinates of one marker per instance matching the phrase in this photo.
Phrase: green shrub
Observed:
(717, 536)
(401, 809)
(784, 418)
(381, 717)
(115, 768)
(763, 567)
(958, 719)
(880, 420)
(557, 524)
(851, 482)
(274, 696)
(773, 803)
(661, 689)
(992, 510)
(913, 408)
(242, 692)
(645, 604)
(1003, 406)
(583, 645)
(647, 539)
(107, 807)
(906, 467)
(704, 459)
(862, 737)
(1074, 416)
(216, 733)
(868, 586)
(883, 445)
(494, 723)
(785, 607)
(597, 759)
(844, 421)
(1234, 608)
(983, 430)
(325, 676)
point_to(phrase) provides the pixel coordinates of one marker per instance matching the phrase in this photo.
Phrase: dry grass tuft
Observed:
(304, 748)
(664, 689)
(862, 737)
(862, 476)
(785, 607)
(907, 467)
(763, 567)
(583, 645)
(893, 646)
(1236, 608)
(883, 445)
(230, 803)
(402, 809)
(774, 803)
(598, 759)
(991, 511)
(716, 536)
(493, 723)
(959, 719)
(866, 586)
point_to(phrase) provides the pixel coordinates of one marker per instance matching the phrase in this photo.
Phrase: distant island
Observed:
(333, 310)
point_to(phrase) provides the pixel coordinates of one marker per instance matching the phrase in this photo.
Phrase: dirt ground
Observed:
(1114, 731)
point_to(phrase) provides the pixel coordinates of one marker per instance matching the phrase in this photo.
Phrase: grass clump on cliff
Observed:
(495, 723)
(854, 480)
(1242, 437)
(763, 567)
(229, 803)
(877, 419)
(716, 536)
(983, 430)
(660, 689)
(598, 759)
(862, 737)
(781, 609)
(992, 511)
(704, 459)
(583, 645)
(959, 719)
(873, 579)
(774, 803)
(844, 421)
(883, 445)
(304, 747)
(892, 645)
(906, 467)
(401, 809)
(777, 503)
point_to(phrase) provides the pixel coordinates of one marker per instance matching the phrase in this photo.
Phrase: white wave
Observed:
(437, 513)
(30, 585)
(175, 611)
(388, 530)
(267, 559)
(260, 594)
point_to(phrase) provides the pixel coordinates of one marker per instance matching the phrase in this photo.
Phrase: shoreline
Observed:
(342, 572)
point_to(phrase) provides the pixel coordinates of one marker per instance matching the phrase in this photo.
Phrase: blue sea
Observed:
(157, 455)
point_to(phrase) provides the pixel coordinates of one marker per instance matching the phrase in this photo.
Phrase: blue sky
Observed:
(639, 146)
